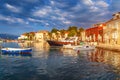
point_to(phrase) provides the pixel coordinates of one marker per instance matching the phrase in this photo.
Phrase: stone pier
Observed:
(113, 47)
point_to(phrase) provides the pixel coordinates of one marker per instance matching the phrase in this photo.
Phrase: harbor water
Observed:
(56, 63)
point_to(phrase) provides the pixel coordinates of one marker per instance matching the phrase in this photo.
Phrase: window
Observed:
(116, 25)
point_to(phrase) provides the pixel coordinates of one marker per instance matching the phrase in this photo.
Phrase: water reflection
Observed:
(17, 54)
(68, 52)
(56, 63)
(105, 57)
(10, 44)
(100, 55)
(41, 46)
(96, 56)
(26, 44)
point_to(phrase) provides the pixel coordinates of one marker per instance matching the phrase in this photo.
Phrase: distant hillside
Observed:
(8, 36)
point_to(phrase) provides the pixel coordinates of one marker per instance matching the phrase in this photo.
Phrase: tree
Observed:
(79, 31)
(50, 35)
(63, 32)
(72, 28)
(72, 31)
(32, 35)
(54, 30)
(27, 34)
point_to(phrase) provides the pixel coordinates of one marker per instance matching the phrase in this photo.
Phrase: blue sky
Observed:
(19, 16)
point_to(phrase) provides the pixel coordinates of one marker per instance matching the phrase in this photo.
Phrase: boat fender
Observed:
(78, 51)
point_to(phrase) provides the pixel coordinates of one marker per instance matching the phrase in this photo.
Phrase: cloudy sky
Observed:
(19, 16)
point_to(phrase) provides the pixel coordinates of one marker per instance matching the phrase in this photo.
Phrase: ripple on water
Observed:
(56, 64)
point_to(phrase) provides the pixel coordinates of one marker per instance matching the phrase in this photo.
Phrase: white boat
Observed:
(69, 46)
(16, 50)
(84, 48)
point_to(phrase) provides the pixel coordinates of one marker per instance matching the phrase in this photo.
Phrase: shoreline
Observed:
(112, 47)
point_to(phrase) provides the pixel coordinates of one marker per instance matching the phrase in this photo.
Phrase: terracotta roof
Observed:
(116, 13)
(43, 31)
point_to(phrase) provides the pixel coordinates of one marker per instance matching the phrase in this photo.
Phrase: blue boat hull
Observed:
(16, 51)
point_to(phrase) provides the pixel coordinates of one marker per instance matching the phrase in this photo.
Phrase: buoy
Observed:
(78, 51)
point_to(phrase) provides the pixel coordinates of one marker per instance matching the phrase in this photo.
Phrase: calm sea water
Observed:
(55, 63)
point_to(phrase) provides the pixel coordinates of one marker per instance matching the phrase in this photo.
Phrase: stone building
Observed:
(95, 33)
(41, 35)
(112, 30)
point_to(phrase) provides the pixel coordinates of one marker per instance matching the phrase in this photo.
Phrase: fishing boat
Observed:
(59, 43)
(16, 50)
(85, 48)
(71, 41)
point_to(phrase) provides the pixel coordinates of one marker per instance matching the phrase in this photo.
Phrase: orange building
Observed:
(95, 33)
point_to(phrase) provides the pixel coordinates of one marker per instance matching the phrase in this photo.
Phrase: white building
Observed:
(22, 37)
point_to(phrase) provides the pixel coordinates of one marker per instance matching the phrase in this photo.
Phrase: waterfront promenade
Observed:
(113, 47)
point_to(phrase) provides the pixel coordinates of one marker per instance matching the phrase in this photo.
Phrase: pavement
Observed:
(113, 47)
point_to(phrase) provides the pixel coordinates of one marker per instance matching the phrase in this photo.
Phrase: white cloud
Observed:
(77, 7)
(94, 9)
(88, 2)
(59, 4)
(19, 20)
(75, 14)
(52, 2)
(66, 22)
(13, 8)
(6, 19)
(103, 13)
(96, 5)
(47, 24)
(43, 12)
(12, 19)
(34, 20)
(101, 4)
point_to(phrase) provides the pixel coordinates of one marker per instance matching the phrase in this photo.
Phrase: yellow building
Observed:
(41, 35)
(112, 30)
(83, 38)
(56, 36)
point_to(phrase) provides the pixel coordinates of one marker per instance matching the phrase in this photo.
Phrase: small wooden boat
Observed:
(85, 48)
(16, 50)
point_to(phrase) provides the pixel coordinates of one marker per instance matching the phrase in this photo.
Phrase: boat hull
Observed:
(16, 50)
(85, 48)
(58, 43)
(71, 46)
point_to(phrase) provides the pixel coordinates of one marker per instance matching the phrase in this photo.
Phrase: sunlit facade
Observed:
(112, 30)
(83, 38)
(41, 35)
(95, 33)
(59, 36)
